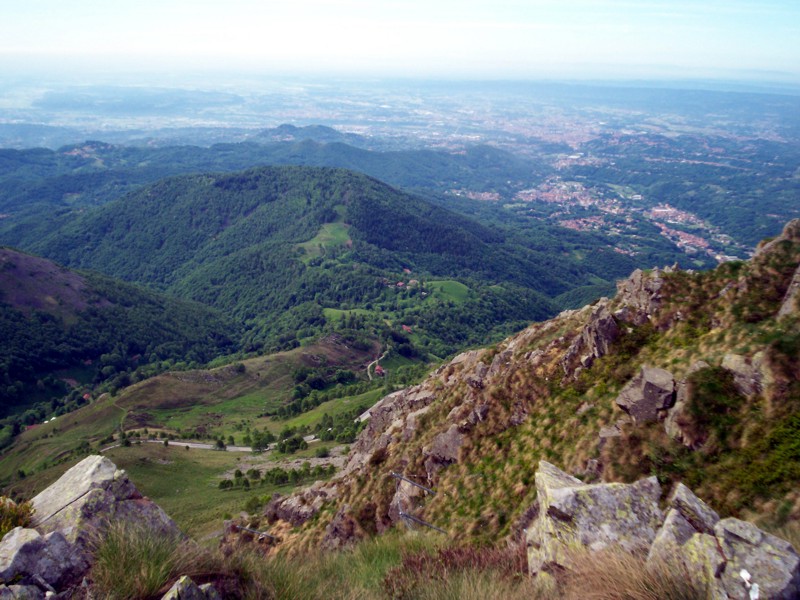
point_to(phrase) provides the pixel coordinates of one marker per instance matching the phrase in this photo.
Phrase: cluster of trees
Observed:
(277, 476)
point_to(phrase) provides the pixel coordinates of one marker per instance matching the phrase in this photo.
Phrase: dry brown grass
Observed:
(618, 575)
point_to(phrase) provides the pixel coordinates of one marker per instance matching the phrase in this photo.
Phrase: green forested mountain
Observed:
(275, 247)
(37, 186)
(60, 329)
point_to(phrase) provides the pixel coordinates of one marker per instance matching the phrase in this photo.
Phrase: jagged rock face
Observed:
(712, 552)
(640, 296)
(647, 394)
(388, 421)
(595, 516)
(91, 495)
(594, 340)
(299, 508)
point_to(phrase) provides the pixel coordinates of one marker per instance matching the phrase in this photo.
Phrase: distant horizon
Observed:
(739, 40)
(743, 81)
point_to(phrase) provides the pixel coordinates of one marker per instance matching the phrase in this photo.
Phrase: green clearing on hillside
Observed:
(332, 408)
(448, 289)
(330, 235)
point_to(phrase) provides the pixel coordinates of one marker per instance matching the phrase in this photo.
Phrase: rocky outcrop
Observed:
(54, 555)
(342, 531)
(594, 340)
(648, 395)
(724, 558)
(388, 421)
(443, 450)
(596, 516)
(678, 423)
(639, 296)
(91, 495)
(302, 506)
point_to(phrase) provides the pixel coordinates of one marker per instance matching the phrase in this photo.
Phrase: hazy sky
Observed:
(464, 38)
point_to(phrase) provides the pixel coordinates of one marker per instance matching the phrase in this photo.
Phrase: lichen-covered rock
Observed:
(91, 495)
(686, 540)
(574, 515)
(702, 517)
(649, 393)
(772, 562)
(26, 556)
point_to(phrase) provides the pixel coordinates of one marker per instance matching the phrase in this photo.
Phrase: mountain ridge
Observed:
(475, 430)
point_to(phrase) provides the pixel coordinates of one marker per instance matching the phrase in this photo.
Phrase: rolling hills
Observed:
(276, 246)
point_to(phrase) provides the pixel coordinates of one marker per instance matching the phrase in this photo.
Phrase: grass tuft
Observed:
(133, 562)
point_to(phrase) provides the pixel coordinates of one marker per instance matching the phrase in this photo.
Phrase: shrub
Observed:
(13, 514)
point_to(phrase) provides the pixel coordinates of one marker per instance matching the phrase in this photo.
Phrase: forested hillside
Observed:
(277, 247)
(61, 330)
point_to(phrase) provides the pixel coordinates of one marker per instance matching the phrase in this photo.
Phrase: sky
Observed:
(476, 39)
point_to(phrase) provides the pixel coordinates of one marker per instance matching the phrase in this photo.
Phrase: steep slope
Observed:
(275, 246)
(691, 377)
(60, 329)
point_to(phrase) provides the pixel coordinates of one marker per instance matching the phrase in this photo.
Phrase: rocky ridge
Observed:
(583, 389)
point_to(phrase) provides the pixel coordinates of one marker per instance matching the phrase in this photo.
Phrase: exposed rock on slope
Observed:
(55, 554)
(574, 516)
(706, 371)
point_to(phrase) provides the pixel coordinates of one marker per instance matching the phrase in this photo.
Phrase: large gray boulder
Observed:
(772, 563)
(30, 558)
(574, 515)
(725, 559)
(648, 395)
(91, 495)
